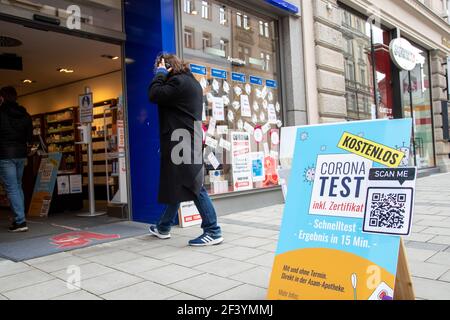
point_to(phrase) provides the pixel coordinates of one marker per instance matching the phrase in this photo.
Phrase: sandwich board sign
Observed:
(337, 239)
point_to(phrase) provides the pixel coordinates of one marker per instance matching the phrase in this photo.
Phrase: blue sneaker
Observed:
(154, 231)
(206, 240)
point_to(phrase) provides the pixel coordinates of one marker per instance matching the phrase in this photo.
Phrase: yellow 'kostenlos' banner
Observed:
(371, 150)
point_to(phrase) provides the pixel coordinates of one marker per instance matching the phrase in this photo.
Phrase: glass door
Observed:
(416, 104)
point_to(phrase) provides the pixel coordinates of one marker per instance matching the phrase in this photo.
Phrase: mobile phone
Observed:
(167, 65)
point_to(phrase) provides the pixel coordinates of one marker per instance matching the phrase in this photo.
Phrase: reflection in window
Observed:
(224, 46)
(359, 84)
(222, 16)
(189, 38)
(206, 40)
(188, 6)
(239, 19)
(205, 10)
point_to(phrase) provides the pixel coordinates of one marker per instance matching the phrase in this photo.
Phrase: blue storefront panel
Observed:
(150, 29)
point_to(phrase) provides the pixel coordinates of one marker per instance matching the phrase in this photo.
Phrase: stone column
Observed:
(329, 61)
(439, 84)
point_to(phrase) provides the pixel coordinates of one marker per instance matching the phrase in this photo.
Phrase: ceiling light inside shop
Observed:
(107, 56)
(64, 70)
(28, 81)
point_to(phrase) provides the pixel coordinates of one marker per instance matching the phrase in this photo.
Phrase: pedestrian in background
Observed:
(179, 97)
(16, 133)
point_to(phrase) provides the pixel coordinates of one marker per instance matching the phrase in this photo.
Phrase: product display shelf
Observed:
(61, 135)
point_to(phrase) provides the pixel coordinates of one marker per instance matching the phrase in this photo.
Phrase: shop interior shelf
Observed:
(60, 120)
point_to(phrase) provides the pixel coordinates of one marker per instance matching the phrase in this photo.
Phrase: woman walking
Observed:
(180, 102)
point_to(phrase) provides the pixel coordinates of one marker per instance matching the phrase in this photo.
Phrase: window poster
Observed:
(258, 174)
(44, 186)
(336, 193)
(218, 109)
(246, 110)
(241, 161)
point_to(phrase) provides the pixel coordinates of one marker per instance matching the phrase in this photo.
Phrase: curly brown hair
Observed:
(178, 65)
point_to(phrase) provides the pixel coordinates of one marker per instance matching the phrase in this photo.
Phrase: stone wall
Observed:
(439, 85)
(329, 62)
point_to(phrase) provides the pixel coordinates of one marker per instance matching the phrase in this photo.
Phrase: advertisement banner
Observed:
(45, 184)
(323, 252)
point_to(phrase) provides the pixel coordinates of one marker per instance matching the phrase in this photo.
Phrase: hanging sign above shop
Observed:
(403, 54)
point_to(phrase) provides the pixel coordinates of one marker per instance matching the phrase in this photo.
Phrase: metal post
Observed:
(90, 159)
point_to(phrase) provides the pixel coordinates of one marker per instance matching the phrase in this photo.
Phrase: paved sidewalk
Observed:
(147, 268)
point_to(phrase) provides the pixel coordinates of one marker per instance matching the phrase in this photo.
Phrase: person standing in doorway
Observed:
(16, 132)
(179, 97)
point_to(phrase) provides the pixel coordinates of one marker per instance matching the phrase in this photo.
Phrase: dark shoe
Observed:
(18, 227)
(154, 231)
(206, 240)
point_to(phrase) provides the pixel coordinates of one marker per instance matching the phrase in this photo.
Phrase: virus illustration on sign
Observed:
(361, 134)
(309, 175)
(304, 136)
(323, 148)
(405, 150)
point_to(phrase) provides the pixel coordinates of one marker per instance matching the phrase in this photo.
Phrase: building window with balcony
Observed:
(189, 38)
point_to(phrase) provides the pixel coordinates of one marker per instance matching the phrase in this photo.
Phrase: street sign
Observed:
(86, 104)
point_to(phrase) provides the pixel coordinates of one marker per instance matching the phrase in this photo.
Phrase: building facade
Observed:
(353, 76)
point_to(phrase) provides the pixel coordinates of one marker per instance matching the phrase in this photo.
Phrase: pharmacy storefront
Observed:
(233, 50)
(105, 51)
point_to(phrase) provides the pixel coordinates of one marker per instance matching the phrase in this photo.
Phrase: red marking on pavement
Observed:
(79, 238)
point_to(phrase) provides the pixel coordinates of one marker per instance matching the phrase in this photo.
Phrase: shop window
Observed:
(241, 97)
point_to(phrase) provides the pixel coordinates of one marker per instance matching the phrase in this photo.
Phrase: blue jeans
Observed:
(11, 173)
(206, 210)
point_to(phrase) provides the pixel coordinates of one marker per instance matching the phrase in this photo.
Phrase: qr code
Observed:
(388, 210)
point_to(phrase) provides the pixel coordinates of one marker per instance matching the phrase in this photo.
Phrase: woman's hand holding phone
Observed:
(163, 64)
